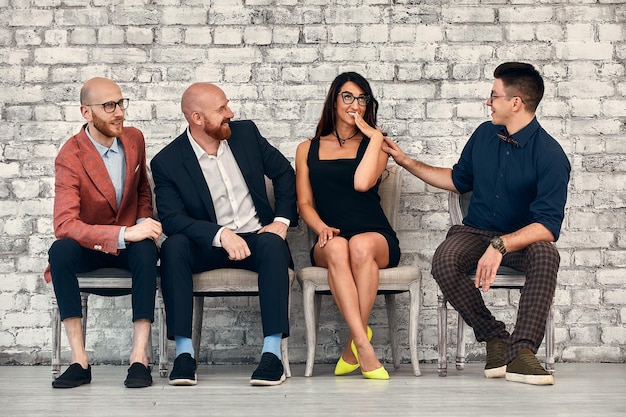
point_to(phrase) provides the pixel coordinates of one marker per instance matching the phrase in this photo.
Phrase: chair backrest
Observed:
(389, 192)
(458, 205)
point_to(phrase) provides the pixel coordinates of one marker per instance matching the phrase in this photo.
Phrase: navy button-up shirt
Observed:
(513, 186)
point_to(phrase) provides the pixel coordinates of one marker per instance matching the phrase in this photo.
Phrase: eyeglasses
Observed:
(109, 106)
(492, 96)
(348, 98)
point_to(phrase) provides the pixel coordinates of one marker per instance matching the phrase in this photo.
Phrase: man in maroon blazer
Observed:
(102, 219)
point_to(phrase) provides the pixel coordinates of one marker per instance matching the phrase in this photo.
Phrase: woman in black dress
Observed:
(337, 177)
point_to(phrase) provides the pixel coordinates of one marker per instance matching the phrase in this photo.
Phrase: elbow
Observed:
(362, 186)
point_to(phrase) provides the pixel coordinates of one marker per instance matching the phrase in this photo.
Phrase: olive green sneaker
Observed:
(525, 368)
(495, 366)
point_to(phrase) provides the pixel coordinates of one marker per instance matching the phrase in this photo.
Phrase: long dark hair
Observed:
(326, 124)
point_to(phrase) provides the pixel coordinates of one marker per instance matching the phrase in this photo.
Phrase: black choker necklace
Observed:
(342, 141)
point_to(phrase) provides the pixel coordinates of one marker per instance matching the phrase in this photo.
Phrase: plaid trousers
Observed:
(459, 254)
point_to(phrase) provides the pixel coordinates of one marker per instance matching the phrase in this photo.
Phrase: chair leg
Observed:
(414, 314)
(56, 339)
(550, 340)
(442, 327)
(390, 303)
(284, 351)
(196, 329)
(84, 296)
(284, 343)
(309, 306)
(163, 361)
(460, 344)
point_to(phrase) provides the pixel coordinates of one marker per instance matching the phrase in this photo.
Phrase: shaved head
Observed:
(94, 88)
(199, 97)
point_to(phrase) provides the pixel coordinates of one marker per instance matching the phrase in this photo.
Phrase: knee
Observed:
(62, 250)
(361, 252)
(443, 262)
(271, 243)
(146, 249)
(545, 253)
(175, 247)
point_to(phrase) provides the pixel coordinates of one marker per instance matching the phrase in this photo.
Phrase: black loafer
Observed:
(138, 376)
(73, 376)
(269, 372)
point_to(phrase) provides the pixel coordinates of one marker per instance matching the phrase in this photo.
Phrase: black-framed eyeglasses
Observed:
(348, 98)
(492, 96)
(109, 106)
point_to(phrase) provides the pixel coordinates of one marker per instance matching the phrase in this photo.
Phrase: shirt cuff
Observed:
(283, 220)
(216, 239)
(121, 244)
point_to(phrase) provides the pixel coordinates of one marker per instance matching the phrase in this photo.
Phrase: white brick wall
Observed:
(431, 68)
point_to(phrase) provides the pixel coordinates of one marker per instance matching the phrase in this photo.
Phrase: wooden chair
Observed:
(314, 284)
(106, 282)
(224, 282)
(506, 277)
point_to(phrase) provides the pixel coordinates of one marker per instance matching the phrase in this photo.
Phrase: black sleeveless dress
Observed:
(340, 205)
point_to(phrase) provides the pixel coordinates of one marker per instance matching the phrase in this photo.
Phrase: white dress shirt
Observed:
(234, 207)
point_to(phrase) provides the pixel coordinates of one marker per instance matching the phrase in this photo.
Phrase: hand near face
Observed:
(366, 129)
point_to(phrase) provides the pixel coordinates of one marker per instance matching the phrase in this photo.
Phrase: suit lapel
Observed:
(95, 169)
(196, 177)
(132, 167)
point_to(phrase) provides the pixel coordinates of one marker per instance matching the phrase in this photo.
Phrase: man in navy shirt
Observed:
(518, 175)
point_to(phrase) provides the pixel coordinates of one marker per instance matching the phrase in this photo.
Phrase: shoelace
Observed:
(531, 361)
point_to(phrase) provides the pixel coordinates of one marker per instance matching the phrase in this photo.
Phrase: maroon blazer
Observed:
(84, 203)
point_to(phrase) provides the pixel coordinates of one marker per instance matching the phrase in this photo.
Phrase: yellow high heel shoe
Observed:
(378, 373)
(343, 367)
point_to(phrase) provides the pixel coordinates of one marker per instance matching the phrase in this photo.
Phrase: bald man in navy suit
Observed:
(213, 204)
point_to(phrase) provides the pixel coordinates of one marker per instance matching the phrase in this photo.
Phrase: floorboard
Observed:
(579, 390)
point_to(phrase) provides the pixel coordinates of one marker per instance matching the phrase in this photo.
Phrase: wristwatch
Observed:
(498, 244)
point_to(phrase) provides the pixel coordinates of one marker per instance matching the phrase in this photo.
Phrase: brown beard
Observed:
(106, 128)
(217, 132)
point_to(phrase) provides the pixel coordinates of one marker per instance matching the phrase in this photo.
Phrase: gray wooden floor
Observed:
(579, 390)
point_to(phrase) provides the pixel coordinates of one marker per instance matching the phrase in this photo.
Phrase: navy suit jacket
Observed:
(183, 198)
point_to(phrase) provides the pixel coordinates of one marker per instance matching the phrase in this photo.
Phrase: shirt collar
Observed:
(199, 152)
(100, 148)
(523, 136)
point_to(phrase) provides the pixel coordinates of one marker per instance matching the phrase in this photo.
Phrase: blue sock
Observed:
(272, 344)
(184, 345)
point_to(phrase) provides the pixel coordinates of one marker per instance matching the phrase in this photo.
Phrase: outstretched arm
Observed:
(435, 176)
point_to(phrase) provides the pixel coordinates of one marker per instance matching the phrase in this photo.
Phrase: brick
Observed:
(30, 17)
(53, 56)
(110, 36)
(92, 17)
(139, 36)
(344, 34)
(467, 33)
(374, 33)
(27, 37)
(526, 14)
(468, 14)
(352, 15)
(288, 35)
(295, 55)
(223, 36)
(120, 55)
(584, 50)
(184, 16)
(258, 35)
